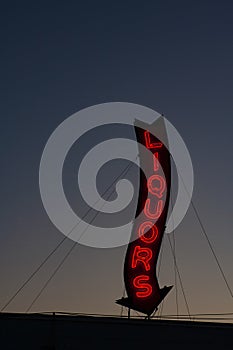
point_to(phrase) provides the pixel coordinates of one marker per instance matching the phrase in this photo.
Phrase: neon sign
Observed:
(144, 293)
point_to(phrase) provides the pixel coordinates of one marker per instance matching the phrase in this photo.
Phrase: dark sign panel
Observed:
(141, 283)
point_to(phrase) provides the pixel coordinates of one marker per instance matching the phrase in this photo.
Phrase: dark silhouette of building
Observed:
(41, 331)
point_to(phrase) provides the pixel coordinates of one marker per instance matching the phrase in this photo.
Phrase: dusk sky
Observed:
(60, 57)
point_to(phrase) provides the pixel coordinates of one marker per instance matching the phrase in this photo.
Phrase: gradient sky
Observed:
(59, 57)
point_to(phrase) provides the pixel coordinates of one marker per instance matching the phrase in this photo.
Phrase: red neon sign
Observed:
(150, 144)
(145, 288)
(146, 228)
(156, 190)
(157, 211)
(156, 161)
(141, 255)
(156, 185)
(141, 282)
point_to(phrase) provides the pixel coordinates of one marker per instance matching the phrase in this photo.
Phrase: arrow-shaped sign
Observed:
(142, 287)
